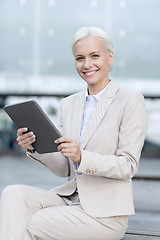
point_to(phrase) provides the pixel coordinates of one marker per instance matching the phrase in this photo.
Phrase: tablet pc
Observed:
(29, 114)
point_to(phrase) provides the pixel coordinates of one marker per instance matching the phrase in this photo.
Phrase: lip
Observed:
(90, 73)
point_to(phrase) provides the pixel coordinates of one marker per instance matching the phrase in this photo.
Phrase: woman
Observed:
(103, 132)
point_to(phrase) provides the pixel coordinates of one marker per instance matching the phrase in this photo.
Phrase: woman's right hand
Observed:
(25, 139)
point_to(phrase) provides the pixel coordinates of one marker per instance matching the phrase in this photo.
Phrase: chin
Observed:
(90, 80)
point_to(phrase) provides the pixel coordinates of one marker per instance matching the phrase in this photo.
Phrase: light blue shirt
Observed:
(89, 106)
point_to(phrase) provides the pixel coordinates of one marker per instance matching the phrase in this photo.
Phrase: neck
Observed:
(93, 90)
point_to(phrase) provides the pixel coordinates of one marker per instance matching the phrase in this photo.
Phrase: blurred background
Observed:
(36, 62)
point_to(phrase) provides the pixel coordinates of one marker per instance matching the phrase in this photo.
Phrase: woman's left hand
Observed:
(69, 148)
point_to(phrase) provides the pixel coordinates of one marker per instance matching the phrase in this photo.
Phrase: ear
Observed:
(111, 57)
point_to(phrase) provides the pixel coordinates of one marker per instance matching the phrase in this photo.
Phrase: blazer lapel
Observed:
(98, 114)
(77, 116)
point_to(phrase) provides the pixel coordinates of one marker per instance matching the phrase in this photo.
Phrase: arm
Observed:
(124, 163)
(56, 162)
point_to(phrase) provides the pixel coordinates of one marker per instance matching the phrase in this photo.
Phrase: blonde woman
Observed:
(103, 129)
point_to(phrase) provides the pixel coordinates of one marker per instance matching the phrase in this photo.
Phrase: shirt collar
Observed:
(98, 95)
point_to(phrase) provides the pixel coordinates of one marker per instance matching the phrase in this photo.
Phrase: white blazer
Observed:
(111, 149)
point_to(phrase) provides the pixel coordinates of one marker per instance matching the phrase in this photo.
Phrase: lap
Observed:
(72, 223)
(54, 217)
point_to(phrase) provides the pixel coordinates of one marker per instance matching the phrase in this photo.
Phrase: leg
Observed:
(72, 223)
(18, 203)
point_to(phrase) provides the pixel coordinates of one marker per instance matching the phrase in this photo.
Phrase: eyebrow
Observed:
(89, 54)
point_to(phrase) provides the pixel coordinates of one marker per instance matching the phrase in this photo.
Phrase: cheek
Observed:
(78, 67)
(104, 63)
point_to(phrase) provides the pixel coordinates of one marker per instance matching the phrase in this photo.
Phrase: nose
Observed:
(87, 63)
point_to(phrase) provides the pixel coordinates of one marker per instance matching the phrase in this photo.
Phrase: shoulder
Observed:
(130, 95)
(126, 98)
(72, 98)
(123, 96)
(129, 92)
(121, 92)
(68, 102)
(132, 102)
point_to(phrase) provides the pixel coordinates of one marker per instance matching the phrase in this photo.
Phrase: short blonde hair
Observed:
(92, 31)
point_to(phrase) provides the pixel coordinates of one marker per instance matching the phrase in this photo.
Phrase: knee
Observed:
(12, 191)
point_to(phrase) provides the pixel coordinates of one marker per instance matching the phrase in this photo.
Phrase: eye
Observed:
(95, 56)
(80, 58)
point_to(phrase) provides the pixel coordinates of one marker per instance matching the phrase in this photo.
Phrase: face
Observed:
(92, 61)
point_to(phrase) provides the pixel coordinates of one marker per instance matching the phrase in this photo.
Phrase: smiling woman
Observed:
(103, 130)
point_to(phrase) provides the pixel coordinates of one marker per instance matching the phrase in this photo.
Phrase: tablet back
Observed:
(29, 114)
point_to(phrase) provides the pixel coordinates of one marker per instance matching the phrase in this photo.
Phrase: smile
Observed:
(90, 73)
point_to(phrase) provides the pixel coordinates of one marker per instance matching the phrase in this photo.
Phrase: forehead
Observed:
(88, 45)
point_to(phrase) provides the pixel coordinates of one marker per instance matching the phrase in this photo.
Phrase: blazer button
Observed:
(87, 171)
(94, 172)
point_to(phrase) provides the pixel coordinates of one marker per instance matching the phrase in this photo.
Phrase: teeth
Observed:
(89, 73)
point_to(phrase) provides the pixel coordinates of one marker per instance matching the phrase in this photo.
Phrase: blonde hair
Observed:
(92, 31)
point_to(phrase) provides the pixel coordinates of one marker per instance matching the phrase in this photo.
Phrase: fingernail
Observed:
(55, 141)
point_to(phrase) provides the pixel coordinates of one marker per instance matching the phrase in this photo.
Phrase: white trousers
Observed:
(30, 213)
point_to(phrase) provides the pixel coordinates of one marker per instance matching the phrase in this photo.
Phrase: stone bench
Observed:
(139, 237)
(144, 226)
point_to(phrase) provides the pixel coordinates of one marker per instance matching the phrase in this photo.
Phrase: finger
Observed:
(70, 149)
(67, 150)
(21, 131)
(27, 141)
(26, 144)
(69, 154)
(66, 145)
(63, 140)
(25, 136)
(30, 147)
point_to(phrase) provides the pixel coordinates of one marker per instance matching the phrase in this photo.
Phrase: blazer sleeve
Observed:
(132, 131)
(56, 162)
